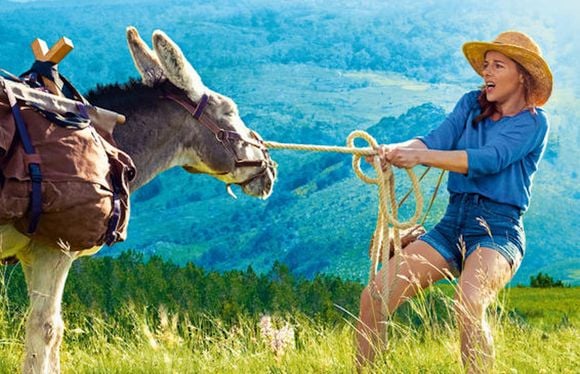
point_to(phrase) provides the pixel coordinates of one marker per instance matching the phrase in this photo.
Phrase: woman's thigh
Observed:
(485, 273)
(419, 266)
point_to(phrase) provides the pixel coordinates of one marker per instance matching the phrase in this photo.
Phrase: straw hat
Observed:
(521, 48)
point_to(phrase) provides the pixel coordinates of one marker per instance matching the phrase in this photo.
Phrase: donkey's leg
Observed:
(46, 270)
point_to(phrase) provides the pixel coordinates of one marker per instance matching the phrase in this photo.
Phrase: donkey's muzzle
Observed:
(261, 184)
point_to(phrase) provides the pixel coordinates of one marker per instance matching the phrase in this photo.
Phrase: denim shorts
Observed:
(473, 221)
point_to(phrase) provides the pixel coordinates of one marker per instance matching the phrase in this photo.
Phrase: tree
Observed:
(544, 281)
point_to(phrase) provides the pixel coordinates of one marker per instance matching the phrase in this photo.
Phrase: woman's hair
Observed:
(489, 108)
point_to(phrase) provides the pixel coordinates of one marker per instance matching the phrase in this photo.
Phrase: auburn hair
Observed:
(488, 108)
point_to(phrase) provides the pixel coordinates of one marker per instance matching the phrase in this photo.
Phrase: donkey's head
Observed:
(217, 142)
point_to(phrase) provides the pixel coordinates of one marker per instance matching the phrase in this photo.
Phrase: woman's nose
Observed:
(487, 70)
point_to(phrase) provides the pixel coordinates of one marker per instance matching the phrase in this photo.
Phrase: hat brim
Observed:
(532, 62)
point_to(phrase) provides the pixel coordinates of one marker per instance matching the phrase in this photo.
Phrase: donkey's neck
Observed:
(149, 136)
(148, 139)
(155, 135)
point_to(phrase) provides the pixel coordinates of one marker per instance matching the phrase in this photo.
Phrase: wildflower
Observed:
(279, 340)
(167, 331)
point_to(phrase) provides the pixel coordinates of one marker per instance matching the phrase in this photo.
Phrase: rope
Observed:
(367, 151)
(388, 218)
(433, 196)
(435, 191)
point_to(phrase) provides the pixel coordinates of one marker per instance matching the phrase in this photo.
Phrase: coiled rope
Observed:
(388, 216)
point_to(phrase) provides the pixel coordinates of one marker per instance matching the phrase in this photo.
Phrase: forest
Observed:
(104, 286)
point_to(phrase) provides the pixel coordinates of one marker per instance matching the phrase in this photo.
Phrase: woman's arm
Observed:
(412, 143)
(408, 157)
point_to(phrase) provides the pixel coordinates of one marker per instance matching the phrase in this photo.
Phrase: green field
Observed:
(317, 350)
(535, 330)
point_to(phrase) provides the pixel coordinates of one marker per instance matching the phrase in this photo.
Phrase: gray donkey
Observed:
(172, 120)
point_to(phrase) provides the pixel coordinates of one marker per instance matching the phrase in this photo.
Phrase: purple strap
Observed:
(33, 167)
(112, 236)
(83, 112)
(201, 106)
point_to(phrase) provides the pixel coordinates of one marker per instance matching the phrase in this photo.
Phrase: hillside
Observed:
(302, 72)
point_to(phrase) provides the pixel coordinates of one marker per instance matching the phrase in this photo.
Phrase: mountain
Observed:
(307, 72)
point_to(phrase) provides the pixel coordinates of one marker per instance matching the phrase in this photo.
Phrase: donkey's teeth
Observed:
(230, 191)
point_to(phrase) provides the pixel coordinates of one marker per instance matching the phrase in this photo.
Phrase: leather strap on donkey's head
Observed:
(167, 66)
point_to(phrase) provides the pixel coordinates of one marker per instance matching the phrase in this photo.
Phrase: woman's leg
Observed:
(484, 274)
(420, 266)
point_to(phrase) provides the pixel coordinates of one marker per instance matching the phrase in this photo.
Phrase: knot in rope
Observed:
(385, 180)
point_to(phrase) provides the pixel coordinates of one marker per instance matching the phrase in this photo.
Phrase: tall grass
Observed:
(422, 339)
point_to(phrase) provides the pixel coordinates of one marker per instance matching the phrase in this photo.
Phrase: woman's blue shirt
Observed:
(502, 155)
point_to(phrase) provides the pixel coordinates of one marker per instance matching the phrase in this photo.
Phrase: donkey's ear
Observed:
(176, 67)
(144, 58)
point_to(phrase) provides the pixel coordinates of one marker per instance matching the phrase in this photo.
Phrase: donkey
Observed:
(172, 120)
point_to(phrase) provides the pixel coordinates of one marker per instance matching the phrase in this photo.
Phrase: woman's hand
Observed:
(404, 157)
(382, 151)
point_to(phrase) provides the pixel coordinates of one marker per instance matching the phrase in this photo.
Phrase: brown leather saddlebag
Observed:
(85, 182)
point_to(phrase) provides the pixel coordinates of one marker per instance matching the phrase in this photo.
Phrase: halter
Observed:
(226, 138)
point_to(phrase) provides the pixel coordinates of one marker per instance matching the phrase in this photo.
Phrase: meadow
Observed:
(279, 324)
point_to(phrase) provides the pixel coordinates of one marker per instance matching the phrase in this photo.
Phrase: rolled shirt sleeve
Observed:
(502, 156)
(511, 144)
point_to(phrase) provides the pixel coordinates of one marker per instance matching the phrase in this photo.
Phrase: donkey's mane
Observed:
(124, 97)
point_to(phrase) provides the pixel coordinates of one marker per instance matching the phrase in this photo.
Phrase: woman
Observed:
(491, 143)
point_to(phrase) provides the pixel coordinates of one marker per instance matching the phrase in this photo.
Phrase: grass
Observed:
(527, 323)
(547, 308)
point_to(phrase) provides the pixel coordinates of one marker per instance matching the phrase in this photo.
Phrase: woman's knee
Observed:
(470, 305)
(367, 302)
(365, 296)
